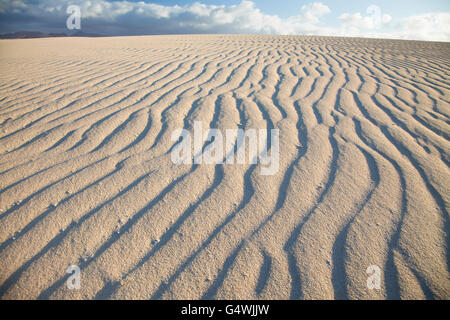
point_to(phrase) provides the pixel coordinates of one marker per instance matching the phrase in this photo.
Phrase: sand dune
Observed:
(86, 176)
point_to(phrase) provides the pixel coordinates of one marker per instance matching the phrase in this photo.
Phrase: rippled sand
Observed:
(86, 176)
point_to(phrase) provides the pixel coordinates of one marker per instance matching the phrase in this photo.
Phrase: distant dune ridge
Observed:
(37, 34)
(86, 176)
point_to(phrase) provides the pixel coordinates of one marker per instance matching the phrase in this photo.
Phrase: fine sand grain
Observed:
(86, 176)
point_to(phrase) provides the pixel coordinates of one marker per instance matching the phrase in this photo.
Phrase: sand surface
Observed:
(86, 176)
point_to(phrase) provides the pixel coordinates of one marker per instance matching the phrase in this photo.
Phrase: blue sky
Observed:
(398, 19)
(285, 8)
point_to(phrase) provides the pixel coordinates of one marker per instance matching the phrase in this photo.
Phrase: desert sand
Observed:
(86, 176)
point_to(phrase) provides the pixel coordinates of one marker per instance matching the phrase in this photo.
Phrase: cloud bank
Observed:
(138, 18)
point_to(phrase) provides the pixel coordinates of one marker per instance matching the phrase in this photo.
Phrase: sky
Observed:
(394, 19)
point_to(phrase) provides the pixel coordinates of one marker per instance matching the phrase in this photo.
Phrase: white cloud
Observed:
(313, 11)
(374, 20)
(431, 26)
